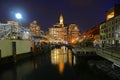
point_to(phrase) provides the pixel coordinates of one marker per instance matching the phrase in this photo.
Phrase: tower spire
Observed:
(61, 20)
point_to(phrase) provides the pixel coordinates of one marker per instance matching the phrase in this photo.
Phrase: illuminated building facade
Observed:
(94, 33)
(57, 32)
(113, 12)
(110, 29)
(73, 33)
(64, 34)
(34, 29)
(10, 30)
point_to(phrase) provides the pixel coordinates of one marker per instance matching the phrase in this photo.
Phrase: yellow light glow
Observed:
(70, 58)
(73, 41)
(61, 56)
(61, 67)
(110, 15)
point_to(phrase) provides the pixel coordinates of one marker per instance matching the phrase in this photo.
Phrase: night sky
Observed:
(85, 13)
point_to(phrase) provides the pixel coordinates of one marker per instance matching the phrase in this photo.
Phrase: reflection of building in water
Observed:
(74, 60)
(60, 57)
(64, 49)
(34, 65)
(17, 72)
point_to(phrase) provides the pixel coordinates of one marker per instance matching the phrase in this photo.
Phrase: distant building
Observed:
(35, 32)
(57, 32)
(110, 29)
(10, 30)
(73, 33)
(64, 34)
(94, 33)
(34, 29)
(113, 12)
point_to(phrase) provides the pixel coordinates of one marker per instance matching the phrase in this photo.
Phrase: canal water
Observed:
(58, 64)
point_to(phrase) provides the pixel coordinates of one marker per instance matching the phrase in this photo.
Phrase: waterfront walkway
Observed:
(113, 51)
(110, 54)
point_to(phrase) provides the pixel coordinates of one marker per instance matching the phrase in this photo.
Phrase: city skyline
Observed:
(84, 14)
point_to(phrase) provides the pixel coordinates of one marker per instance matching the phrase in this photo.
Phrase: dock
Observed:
(84, 51)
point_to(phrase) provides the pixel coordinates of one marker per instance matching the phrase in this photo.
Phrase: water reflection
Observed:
(17, 72)
(60, 57)
(60, 65)
(34, 65)
(74, 60)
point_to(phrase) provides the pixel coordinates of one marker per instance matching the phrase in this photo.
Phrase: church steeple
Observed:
(61, 20)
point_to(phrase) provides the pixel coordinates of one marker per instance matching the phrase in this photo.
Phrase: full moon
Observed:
(18, 16)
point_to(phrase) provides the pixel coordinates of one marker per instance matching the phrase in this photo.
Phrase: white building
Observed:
(10, 30)
(110, 29)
